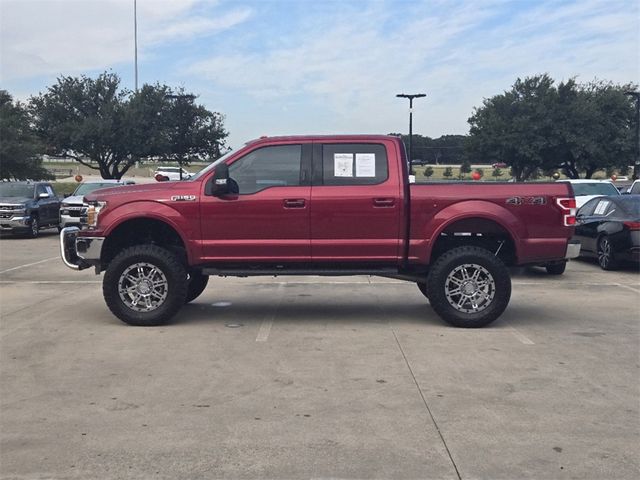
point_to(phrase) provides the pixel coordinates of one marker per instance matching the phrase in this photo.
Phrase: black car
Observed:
(26, 207)
(609, 229)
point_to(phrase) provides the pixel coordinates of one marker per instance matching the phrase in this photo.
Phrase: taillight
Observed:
(632, 225)
(568, 207)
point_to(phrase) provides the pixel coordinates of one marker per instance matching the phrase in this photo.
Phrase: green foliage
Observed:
(444, 150)
(428, 172)
(465, 167)
(448, 172)
(537, 126)
(496, 172)
(480, 171)
(109, 129)
(19, 145)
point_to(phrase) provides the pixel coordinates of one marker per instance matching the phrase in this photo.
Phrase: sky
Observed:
(285, 67)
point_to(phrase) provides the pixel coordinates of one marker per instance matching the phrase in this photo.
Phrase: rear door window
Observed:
(354, 164)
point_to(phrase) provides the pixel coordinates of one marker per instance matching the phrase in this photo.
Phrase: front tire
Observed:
(422, 286)
(145, 285)
(34, 228)
(469, 287)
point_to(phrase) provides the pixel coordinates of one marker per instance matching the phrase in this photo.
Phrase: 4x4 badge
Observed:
(184, 198)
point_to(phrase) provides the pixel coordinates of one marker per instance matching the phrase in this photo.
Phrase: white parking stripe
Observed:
(28, 264)
(521, 337)
(267, 323)
(629, 288)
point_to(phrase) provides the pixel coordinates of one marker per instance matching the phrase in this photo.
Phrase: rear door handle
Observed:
(384, 202)
(294, 203)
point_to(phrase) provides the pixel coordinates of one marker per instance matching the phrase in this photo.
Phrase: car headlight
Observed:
(93, 210)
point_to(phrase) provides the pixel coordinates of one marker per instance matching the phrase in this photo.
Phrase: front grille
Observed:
(5, 215)
(10, 207)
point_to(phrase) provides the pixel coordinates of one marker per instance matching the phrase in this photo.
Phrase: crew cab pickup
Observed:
(314, 205)
(26, 207)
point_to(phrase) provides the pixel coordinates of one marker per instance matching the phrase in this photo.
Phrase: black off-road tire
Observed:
(197, 282)
(452, 263)
(556, 268)
(422, 286)
(165, 262)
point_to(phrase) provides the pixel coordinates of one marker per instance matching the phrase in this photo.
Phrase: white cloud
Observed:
(40, 37)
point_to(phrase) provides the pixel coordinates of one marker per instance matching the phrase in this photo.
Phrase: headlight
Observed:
(93, 212)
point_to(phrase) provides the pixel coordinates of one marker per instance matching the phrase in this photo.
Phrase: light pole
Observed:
(178, 98)
(411, 97)
(636, 163)
(135, 41)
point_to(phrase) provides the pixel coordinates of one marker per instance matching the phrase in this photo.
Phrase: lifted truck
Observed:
(313, 205)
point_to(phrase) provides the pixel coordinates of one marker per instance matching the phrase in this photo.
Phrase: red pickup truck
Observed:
(314, 205)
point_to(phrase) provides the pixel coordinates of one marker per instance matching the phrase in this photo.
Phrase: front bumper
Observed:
(77, 252)
(15, 223)
(573, 249)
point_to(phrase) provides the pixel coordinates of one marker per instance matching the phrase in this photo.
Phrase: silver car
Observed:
(71, 207)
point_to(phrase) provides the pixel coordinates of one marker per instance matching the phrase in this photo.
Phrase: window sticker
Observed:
(343, 164)
(365, 164)
(602, 206)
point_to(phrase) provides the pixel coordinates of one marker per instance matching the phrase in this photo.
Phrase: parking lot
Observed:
(317, 377)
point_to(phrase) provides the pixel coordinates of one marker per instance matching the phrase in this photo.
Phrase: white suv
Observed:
(163, 174)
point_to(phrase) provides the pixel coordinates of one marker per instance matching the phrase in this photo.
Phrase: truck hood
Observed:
(73, 199)
(15, 200)
(148, 190)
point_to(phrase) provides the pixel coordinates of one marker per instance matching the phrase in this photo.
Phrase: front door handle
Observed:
(384, 202)
(294, 203)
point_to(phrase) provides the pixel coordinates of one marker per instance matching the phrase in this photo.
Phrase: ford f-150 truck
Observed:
(313, 205)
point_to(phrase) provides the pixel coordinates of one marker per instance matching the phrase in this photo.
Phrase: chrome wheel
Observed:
(469, 288)
(604, 253)
(143, 287)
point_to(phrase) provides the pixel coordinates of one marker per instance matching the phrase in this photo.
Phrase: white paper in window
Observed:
(602, 206)
(365, 164)
(343, 164)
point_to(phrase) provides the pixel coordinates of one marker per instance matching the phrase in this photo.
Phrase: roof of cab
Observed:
(323, 138)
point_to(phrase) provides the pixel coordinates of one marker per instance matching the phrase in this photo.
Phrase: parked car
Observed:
(164, 174)
(27, 207)
(71, 207)
(586, 189)
(609, 229)
(634, 189)
(499, 165)
(319, 205)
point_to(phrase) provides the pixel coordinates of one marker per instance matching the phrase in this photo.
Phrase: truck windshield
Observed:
(599, 188)
(85, 188)
(8, 189)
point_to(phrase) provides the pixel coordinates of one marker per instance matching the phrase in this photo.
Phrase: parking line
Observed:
(628, 287)
(267, 323)
(28, 264)
(522, 338)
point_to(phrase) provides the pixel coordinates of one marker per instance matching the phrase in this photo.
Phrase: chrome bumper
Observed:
(79, 253)
(573, 249)
(15, 223)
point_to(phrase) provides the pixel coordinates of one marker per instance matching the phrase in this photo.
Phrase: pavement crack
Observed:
(424, 400)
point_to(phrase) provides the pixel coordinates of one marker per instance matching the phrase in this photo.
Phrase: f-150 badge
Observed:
(184, 198)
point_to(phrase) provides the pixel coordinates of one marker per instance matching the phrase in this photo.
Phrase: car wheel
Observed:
(422, 286)
(606, 258)
(145, 285)
(34, 228)
(197, 282)
(556, 268)
(469, 287)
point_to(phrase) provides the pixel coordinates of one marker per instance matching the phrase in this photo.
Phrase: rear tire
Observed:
(145, 285)
(606, 257)
(469, 287)
(197, 282)
(556, 268)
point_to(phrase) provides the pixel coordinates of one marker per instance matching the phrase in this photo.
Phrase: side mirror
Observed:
(218, 185)
(43, 195)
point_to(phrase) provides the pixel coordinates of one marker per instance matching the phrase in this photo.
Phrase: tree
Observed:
(20, 149)
(448, 172)
(496, 173)
(428, 171)
(537, 126)
(109, 129)
(465, 167)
